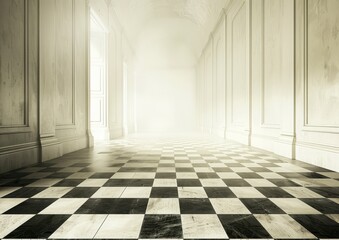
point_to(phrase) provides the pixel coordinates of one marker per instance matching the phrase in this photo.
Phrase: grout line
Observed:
(100, 226)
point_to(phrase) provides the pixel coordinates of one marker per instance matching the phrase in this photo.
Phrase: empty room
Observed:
(169, 119)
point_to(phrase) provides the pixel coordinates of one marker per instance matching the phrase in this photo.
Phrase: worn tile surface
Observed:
(169, 188)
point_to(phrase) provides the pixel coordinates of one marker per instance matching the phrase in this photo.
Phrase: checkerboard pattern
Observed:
(170, 188)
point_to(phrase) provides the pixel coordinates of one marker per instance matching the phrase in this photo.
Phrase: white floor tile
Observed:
(121, 226)
(202, 226)
(8, 203)
(64, 206)
(283, 226)
(163, 206)
(229, 206)
(191, 192)
(108, 192)
(80, 226)
(136, 192)
(294, 206)
(246, 192)
(53, 192)
(10, 222)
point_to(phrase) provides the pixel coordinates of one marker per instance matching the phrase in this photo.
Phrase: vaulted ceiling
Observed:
(191, 20)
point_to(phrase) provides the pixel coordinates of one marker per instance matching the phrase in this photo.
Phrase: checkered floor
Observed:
(174, 188)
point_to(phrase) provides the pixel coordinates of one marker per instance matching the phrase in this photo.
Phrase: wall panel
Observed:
(18, 84)
(322, 63)
(317, 83)
(208, 87)
(272, 62)
(64, 39)
(238, 71)
(13, 63)
(219, 86)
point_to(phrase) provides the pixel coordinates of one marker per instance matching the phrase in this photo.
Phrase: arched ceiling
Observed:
(137, 15)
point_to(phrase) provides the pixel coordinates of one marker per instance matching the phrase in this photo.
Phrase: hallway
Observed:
(170, 188)
(169, 119)
(176, 188)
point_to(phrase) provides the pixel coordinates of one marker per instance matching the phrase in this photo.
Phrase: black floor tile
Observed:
(14, 175)
(60, 175)
(188, 182)
(320, 225)
(166, 175)
(114, 206)
(236, 183)
(243, 226)
(261, 206)
(200, 164)
(222, 169)
(266, 165)
(164, 192)
(312, 175)
(291, 175)
(207, 175)
(124, 169)
(196, 206)
(323, 205)
(259, 169)
(249, 175)
(166, 165)
(219, 192)
(283, 183)
(102, 175)
(328, 192)
(31, 206)
(19, 182)
(234, 165)
(80, 165)
(69, 183)
(274, 192)
(161, 226)
(25, 192)
(185, 169)
(38, 227)
(51, 169)
(81, 192)
(129, 183)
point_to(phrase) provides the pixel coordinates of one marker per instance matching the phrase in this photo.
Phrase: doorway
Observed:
(98, 79)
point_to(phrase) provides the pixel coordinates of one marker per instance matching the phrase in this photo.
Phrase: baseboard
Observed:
(73, 144)
(50, 148)
(18, 156)
(281, 145)
(319, 155)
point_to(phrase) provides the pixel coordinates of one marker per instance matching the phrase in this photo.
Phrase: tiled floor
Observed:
(171, 188)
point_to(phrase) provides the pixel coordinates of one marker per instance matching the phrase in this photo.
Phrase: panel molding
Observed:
(237, 124)
(22, 128)
(263, 122)
(72, 125)
(306, 125)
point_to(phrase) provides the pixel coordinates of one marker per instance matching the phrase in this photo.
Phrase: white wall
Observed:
(282, 89)
(166, 100)
(165, 79)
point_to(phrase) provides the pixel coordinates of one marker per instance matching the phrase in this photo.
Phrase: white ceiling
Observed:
(197, 17)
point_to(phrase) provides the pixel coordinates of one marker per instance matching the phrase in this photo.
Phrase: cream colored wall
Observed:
(19, 133)
(282, 89)
(63, 77)
(317, 82)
